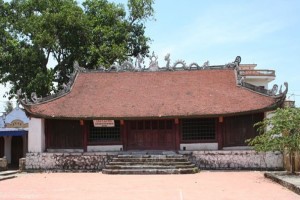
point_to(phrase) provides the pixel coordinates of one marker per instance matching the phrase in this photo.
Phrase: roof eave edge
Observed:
(271, 107)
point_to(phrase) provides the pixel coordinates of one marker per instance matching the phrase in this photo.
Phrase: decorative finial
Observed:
(153, 66)
(167, 58)
(77, 68)
(34, 97)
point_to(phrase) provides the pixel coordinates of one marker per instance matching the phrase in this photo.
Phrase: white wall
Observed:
(104, 148)
(36, 135)
(199, 146)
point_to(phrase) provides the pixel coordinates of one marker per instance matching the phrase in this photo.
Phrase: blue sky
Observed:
(264, 32)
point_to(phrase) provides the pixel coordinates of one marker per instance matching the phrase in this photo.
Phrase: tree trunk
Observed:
(292, 162)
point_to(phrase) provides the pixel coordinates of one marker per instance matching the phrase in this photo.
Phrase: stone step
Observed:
(149, 166)
(150, 163)
(8, 172)
(150, 171)
(151, 156)
(148, 159)
(2, 178)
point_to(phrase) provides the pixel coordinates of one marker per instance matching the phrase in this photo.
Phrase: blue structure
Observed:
(13, 135)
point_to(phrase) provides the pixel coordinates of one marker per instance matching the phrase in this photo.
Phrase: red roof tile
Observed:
(153, 94)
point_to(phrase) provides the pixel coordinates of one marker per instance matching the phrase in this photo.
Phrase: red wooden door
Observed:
(1, 147)
(151, 135)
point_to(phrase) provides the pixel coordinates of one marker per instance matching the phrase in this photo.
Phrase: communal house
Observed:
(186, 109)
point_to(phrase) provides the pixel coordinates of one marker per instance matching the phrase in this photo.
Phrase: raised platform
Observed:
(208, 160)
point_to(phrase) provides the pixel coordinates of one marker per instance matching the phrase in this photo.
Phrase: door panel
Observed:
(151, 135)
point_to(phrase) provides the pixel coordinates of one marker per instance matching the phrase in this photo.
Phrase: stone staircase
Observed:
(4, 175)
(150, 164)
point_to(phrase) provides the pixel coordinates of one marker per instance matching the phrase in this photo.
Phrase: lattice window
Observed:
(104, 134)
(198, 129)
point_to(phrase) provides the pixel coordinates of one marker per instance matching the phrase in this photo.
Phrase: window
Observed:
(198, 129)
(104, 134)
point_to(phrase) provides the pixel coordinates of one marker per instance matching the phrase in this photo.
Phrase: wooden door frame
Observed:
(125, 131)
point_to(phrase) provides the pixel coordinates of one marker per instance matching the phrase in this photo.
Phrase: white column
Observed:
(7, 148)
(36, 135)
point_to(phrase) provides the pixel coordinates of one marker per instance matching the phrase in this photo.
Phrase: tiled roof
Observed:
(128, 95)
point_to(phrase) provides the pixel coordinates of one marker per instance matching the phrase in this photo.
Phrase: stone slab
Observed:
(290, 181)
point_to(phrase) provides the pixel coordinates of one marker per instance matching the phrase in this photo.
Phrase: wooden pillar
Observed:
(123, 133)
(219, 132)
(85, 127)
(177, 134)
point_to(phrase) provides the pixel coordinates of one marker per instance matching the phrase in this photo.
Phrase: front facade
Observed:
(187, 109)
(148, 134)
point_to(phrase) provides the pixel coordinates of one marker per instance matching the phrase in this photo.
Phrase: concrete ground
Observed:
(204, 185)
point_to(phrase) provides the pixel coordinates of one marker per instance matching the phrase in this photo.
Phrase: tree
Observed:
(96, 33)
(8, 107)
(281, 133)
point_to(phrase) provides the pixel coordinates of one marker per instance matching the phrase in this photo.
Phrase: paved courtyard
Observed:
(204, 185)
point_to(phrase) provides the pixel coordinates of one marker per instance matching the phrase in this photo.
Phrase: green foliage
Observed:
(96, 33)
(8, 107)
(281, 132)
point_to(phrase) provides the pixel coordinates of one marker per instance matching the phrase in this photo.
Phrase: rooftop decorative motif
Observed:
(139, 66)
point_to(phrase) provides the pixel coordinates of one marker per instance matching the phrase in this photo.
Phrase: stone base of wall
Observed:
(237, 159)
(96, 161)
(73, 162)
(3, 164)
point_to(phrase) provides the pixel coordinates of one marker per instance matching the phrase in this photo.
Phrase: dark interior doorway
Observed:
(16, 150)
